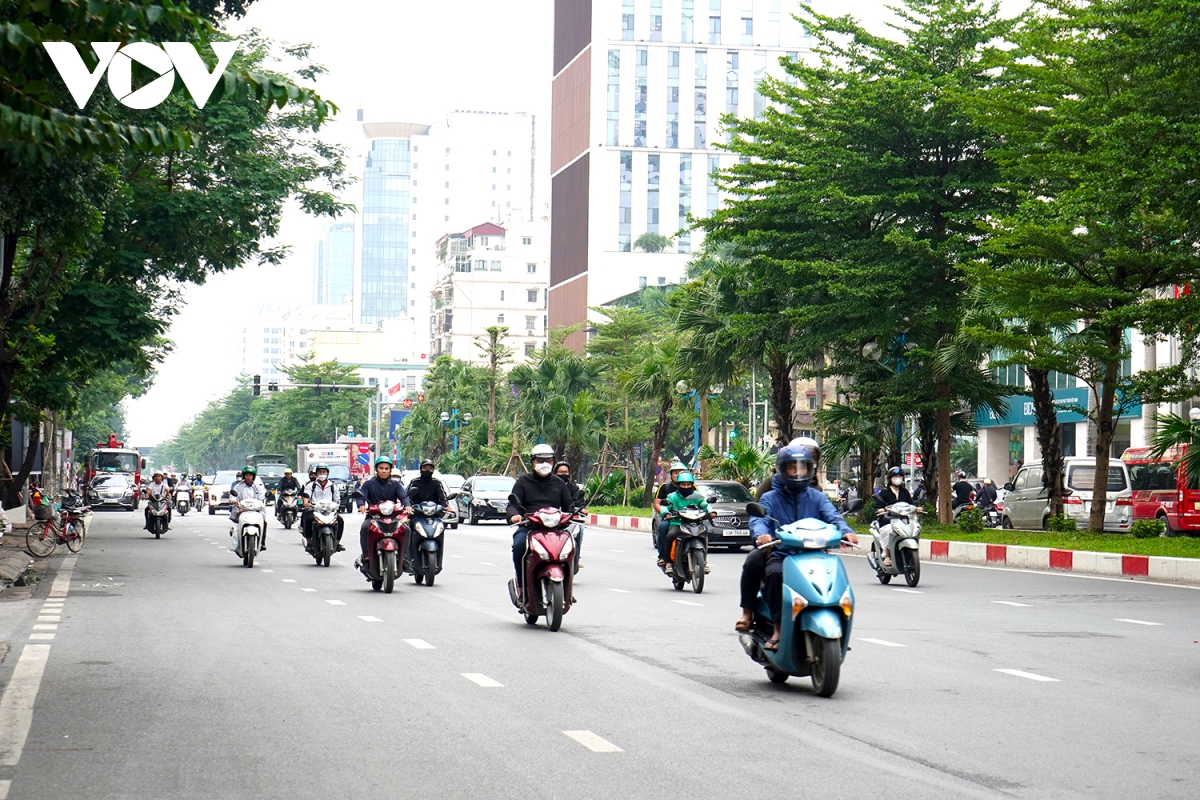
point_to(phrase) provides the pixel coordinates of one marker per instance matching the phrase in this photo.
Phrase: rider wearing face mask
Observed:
(684, 496)
(894, 492)
(425, 487)
(532, 492)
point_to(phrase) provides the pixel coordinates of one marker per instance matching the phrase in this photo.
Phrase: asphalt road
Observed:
(174, 672)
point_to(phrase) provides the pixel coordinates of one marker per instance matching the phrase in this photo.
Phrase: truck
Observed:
(113, 457)
(270, 467)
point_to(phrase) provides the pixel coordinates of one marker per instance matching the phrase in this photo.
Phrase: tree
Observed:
(653, 242)
(744, 463)
(497, 354)
(653, 379)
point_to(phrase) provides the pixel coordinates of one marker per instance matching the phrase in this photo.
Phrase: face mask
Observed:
(897, 481)
(686, 491)
(426, 474)
(542, 469)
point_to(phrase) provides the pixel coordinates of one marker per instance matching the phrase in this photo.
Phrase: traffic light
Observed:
(257, 385)
(317, 388)
(273, 386)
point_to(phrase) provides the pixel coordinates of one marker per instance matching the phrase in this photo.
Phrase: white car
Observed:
(218, 490)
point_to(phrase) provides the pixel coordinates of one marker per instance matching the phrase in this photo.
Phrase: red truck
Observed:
(1161, 489)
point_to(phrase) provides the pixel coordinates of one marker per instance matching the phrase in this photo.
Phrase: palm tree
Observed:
(651, 242)
(653, 379)
(497, 354)
(744, 463)
(1180, 438)
(850, 429)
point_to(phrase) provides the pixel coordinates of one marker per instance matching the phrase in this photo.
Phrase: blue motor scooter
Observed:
(817, 607)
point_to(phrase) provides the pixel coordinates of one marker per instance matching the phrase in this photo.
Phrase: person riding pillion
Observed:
(379, 489)
(563, 470)
(684, 496)
(532, 492)
(321, 488)
(794, 496)
(248, 488)
(664, 491)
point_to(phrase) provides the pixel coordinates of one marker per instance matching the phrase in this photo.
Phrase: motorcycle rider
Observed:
(685, 496)
(287, 483)
(664, 491)
(157, 490)
(532, 492)
(378, 489)
(248, 488)
(425, 488)
(962, 490)
(316, 490)
(894, 492)
(794, 496)
(563, 470)
(800, 441)
(987, 495)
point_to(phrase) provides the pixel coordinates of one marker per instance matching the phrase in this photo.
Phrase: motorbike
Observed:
(387, 535)
(158, 508)
(183, 500)
(547, 568)
(288, 508)
(246, 537)
(991, 516)
(818, 607)
(198, 493)
(324, 531)
(897, 535)
(689, 551)
(429, 531)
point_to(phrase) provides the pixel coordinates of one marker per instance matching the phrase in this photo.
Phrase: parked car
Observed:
(482, 497)
(731, 526)
(218, 490)
(1027, 505)
(1161, 490)
(112, 491)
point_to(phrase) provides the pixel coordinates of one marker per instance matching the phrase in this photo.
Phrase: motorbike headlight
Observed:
(551, 519)
(798, 604)
(568, 549)
(537, 547)
(847, 603)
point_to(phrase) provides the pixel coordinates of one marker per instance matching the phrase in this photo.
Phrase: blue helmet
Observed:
(806, 457)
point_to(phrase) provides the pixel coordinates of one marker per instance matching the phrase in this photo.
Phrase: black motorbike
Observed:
(689, 551)
(427, 542)
(287, 510)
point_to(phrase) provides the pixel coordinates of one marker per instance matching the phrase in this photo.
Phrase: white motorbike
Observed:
(324, 531)
(183, 500)
(247, 535)
(895, 544)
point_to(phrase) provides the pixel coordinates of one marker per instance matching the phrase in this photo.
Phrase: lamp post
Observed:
(686, 392)
(452, 416)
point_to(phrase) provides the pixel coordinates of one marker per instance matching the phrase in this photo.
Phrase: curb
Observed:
(1085, 562)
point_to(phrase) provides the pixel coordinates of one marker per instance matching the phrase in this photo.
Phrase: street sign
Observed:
(908, 459)
(637, 451)
(364, 459)
(420, 398)
(395, 417)
(407, 402)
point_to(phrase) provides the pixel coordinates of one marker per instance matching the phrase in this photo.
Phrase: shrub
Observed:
(1061, 523)
(867, 515)
(609, 489)
(971, 520)
(1147, 528)
(930, 510)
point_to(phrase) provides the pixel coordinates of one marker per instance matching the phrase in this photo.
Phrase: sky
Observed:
(397, 60)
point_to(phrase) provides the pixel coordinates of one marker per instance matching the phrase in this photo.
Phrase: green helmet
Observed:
(251, 470)
(385, 460)
(685, 477)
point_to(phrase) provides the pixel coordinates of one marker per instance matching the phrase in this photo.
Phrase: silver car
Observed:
(1027, 505)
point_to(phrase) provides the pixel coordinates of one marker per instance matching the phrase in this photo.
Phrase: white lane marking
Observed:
(268, 570)
(335, 602)
(41, 637)
(621, 591)
(16, 707)
(308, 590)
(687, 603)
(879, 642)
(45, 627)
(479, 679)
(907, 591)
(1136, 621)
(62, 583)
(370, 619)
(4, 786)
(1010, 603)
(593, 742)
(288, 580)
(420, 644)
(616, 551)
(1029, 675)
(50, 619)
(458, 556)
(487, 563)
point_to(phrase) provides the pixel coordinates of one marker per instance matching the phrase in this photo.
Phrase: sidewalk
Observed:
(1086, 562)
(15, 559)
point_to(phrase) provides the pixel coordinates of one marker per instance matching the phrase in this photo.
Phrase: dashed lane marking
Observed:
(1137, 622)
(479, 679)
(308, 590)
(4, 787)
(41, 637)
(335, 602)
(621, 591)
(1029, 676)
(907, 591)
(487, 563)
(288, 580)
(616, 551)
(420, 644)
(370, 619)
(593, 742)
(880, 642)
(16, 706)
(458, 556)
(687, 603)
(268, 570)
(45, 627)
(1010, 603)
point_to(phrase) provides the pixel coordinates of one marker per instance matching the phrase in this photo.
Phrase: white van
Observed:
(1027, 505)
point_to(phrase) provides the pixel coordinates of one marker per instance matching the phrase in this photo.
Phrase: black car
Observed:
(731, 527)
(482, 497)
(112, 491)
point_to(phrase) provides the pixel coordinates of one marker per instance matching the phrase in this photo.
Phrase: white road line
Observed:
(268, 570)
(420, 644)
(16, 707)
(621, 591)
(487, 563)
(62, 582)
(879, 642)
(458, 556)
(308, 590)
(370, 619)
(4, 787)
(479, 679)
(907, 591)
(41, 637)
(616, 551)
(45, 627)
(49, 619)
(335, 602)
(1029, 675)
(288, 580)
(593, 742)
(1010, 603)
(687, 603)
(1136, 621)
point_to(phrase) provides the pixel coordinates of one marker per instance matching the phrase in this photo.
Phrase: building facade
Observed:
(333, 265)
(639, 89)
(491, 276)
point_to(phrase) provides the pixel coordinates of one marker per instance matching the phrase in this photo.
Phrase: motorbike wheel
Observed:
(211, 511)
(696, 566)
(678, 583)
(377, 585)
(530, 619)
(157, 532)
(554, 606)
(884, 577)
(912, 567)
(775, 676)
(326, 551)
(826, 667)
(248, 559)
(287, 522)
(430, 567)
(389, 571)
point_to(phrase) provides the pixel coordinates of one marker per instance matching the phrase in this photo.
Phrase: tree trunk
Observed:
(866, 486)
(1049, 436)
(703, 420)
(660, 439)
(1105, 427)
(945, 513)
(22, 477)
(927, 426)
(491, 439)
(781, 398)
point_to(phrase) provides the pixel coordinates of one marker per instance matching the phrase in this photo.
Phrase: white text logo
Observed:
(172, 57)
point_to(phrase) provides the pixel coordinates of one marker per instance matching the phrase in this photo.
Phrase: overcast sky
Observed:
(397, 60)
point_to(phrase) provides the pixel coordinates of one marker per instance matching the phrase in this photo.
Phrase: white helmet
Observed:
(541, 450)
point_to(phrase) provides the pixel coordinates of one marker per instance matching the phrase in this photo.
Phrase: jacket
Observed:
(423, 489)
(676, 501)
(289, 483)
(787, 507)
(315, 492)
(376, 491)
(531, 493)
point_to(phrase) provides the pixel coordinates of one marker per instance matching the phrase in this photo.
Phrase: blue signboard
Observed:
(394, 420)
(1066, 401)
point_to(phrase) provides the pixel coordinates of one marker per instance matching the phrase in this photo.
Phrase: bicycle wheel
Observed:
(74, 537)
(41, 539)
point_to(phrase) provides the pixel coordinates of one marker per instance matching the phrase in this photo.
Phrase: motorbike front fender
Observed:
(386, 543)
(907, 544)
(555, 573)
(824, 622)
(429, 544)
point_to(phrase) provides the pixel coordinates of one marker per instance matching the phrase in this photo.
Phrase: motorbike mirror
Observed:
(357, 495)
(451, 495)
(854, 505)
(756, 510)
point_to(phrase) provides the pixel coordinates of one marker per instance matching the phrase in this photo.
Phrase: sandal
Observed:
(742, 626)
(772, 645)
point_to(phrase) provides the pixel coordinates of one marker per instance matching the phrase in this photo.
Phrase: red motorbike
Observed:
(548, 573)
(386, 535)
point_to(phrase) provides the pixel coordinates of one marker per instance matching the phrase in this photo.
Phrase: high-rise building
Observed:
(639, 89)
(333, 265)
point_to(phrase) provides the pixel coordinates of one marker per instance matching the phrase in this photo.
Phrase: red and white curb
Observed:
(1159, 568)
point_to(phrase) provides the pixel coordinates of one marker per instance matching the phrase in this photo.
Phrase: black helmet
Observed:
(561, 464)
(895, 471)
(427, 462)
(804, 455)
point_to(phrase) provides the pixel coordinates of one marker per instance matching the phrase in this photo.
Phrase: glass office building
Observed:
(385, 237)
(334, 283)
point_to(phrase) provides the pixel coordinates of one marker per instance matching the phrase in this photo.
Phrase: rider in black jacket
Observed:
(532, 492)
(426, 487)
(375, 491)
(563, 470)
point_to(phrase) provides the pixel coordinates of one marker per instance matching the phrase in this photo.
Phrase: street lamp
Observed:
(1194, 414)
(453, 416)
(683, 389)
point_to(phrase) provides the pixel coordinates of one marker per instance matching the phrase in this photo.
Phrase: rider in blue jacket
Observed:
(793, 496)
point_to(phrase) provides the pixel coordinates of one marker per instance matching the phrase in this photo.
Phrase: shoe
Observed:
(341, 549)
(707, 568)
(669, 568)
(579, 566)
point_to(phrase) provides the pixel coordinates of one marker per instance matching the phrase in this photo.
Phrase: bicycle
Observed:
(44, 536)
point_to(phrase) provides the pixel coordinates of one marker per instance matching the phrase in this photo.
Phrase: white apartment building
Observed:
(491, 275)
(639, 89)
(264, 344)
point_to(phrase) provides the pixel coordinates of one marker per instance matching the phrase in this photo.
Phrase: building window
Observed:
(531, 268)
(502, 295)
(481, 266)
(614, 96)
(530, 349)
(652, 177)
(662, 281)
(499, 319)
(627, 27)
(493, 152)
(685, 202)
(495, 266)
(526, 240)
(747, 30)
(731, 82)
(760, 72)
(687, 16)
(714, 30)
(625, 218)
(700, 113)
(714, 197)
(531, 295)
(642, 282)
(531, 322)
(656, 20)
